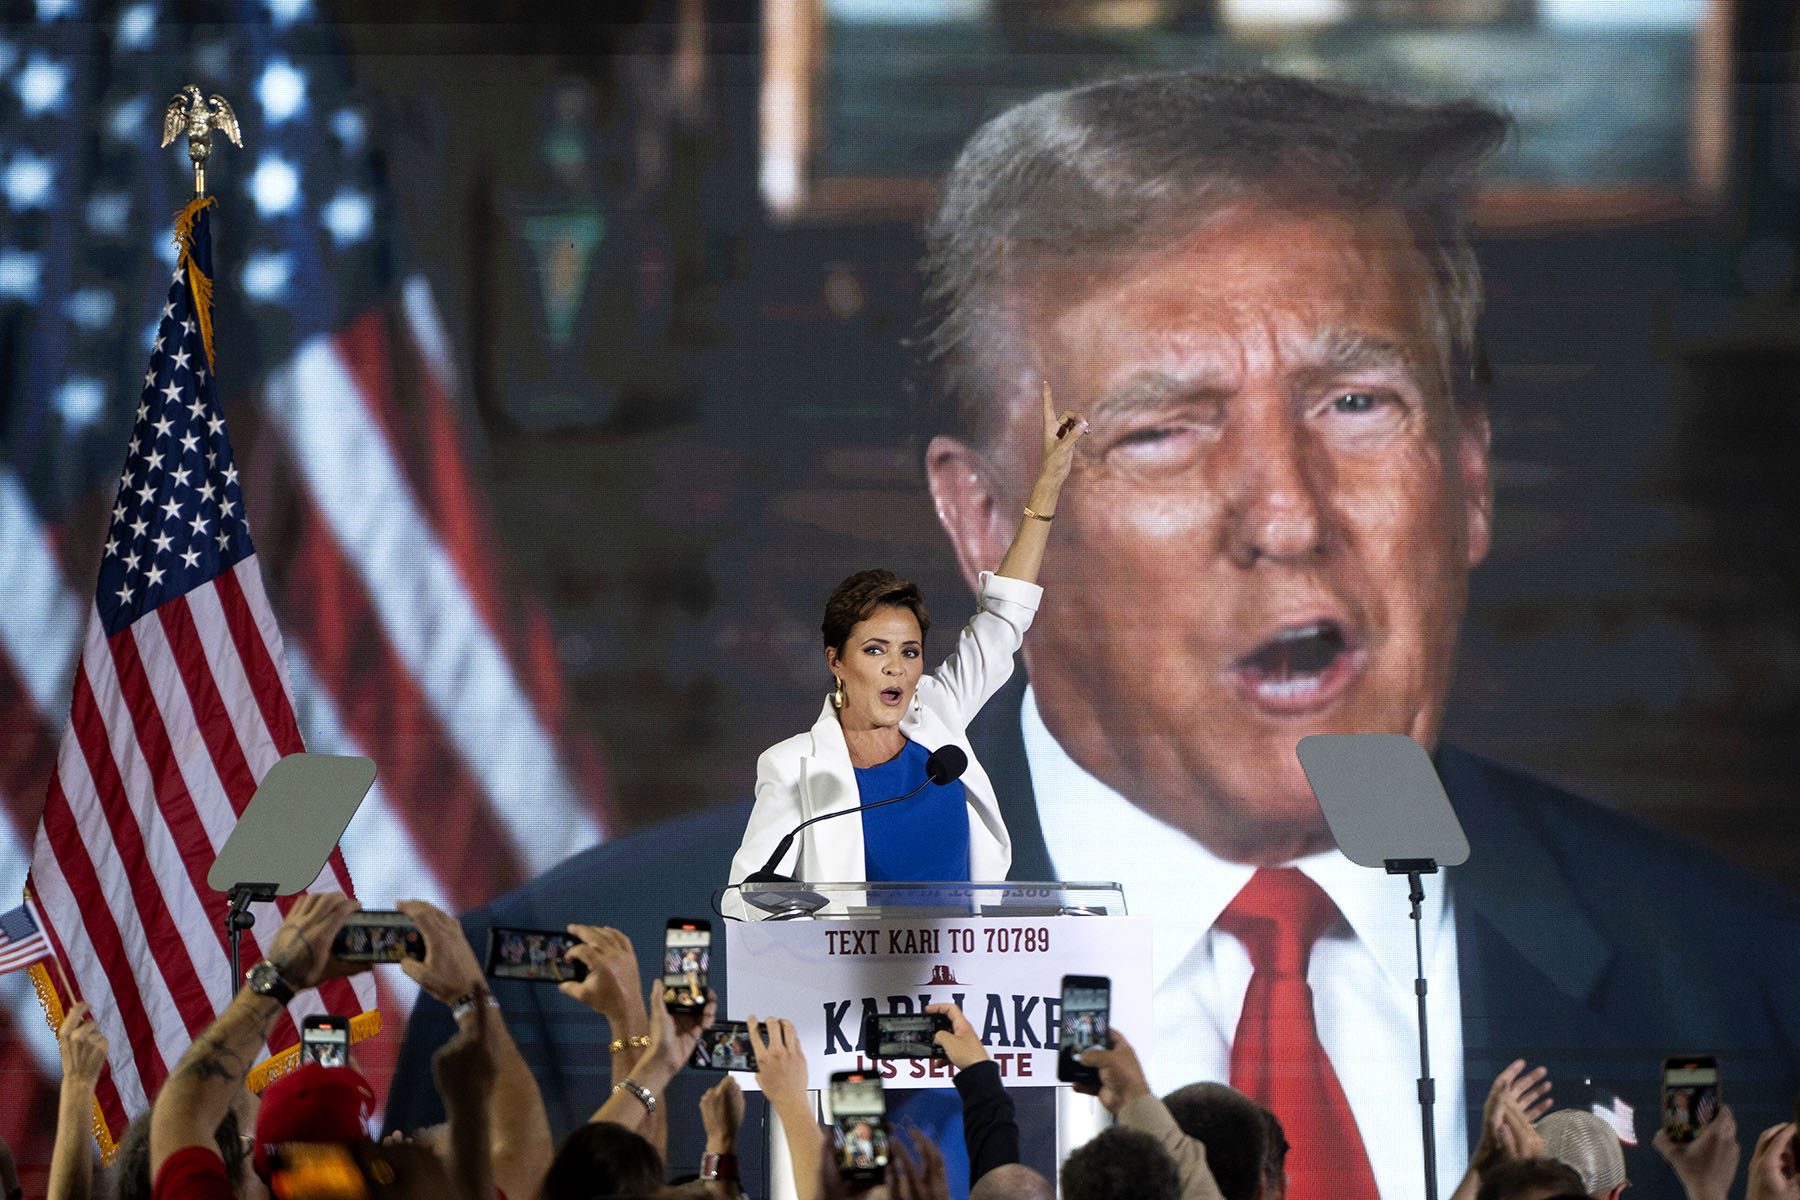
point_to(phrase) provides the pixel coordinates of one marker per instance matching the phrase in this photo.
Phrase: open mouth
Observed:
(892, 696)
(1300, 668)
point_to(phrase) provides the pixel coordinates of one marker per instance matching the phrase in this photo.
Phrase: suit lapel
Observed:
(995, 737)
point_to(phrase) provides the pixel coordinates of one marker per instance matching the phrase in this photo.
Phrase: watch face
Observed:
(265, 980)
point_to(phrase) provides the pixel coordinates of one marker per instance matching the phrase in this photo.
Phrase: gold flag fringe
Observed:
(51, 1003)
(198, 283)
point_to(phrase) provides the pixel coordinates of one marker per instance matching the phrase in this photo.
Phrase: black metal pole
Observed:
(1427, 1087)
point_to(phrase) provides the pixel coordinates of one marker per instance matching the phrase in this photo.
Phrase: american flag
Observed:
(373, 533)
(22, 940)
(181, 705)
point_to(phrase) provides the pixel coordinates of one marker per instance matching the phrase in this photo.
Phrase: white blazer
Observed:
(810, 773)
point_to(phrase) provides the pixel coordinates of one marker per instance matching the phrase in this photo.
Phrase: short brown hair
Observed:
(856, 599)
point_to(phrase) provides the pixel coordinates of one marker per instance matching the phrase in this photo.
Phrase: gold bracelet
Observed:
(638, 1043)
(1035, 515)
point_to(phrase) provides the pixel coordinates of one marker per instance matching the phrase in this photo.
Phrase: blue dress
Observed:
(924, 838)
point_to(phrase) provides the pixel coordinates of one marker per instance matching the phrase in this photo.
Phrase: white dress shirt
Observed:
(1361, 971)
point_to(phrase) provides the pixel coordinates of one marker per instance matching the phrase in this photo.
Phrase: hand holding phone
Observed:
(904, 1035)
(533, 956)
(859, 1120)
(687, 959)
(1690, 1095)
(1086, 1020)
(377, 936)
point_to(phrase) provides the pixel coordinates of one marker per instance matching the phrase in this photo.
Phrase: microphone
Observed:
(945, 765)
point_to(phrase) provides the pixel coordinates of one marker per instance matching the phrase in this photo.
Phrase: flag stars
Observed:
(124, 594)
(173, 392)
(223, 538)
(180, 358)
(130, 561)
(112, 548)
(180, 275)
(206, 493)
(180, 477)
(146, 493)
(215, 424)
(124, 484)
(164, 543)
(199, 524)
(230, 476)
(169, 311)
(227, 507)
(153, 577)
(153, 463)
(190, 557)
(118, 512)
(143, 409)
(187, 325)
(138, 527)
(199, 376)
(190, 444)
(172, 506)
(198, 407)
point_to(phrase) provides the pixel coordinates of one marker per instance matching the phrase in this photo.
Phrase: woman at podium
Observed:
(885, 716)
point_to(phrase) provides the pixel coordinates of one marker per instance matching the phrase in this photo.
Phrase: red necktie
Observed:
(1276, 1057)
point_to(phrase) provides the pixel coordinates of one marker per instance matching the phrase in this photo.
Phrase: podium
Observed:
(996, 950)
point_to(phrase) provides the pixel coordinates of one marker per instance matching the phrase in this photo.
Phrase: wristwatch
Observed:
(265, 980)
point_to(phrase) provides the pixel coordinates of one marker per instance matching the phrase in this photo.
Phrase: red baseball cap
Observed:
(312, 1104)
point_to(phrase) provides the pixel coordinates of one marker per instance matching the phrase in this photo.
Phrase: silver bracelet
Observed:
(640, 1091)
(465, 1004)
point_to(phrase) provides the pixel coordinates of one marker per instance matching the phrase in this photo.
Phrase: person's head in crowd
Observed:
(603, 1159)
(1587, 1143)
(131, 1164)
(1530, 1179)
(1275, 1150)
(1231, 1127)
(312, 1104)
(1013, 1181)
(1261, 292)
(1121, 1164)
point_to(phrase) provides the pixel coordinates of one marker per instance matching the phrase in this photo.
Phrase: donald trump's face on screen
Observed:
(1271, 527)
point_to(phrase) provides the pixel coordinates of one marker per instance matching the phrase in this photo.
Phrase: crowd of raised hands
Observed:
(207, 1137)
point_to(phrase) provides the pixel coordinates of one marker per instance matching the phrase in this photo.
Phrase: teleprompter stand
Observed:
(288, 829)
(1387, 808)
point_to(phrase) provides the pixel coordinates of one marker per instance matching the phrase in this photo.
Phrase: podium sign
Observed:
(1005, 973)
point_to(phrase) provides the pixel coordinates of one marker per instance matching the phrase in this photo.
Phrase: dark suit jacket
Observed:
(1587, 941)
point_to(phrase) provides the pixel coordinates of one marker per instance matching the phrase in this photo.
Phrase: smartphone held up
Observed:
(687, 957)
(1086, 1020)
(1690, 1095)
(859, 1123)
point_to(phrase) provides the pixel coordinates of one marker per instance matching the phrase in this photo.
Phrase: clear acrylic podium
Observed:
(999, 949)
(920, 901)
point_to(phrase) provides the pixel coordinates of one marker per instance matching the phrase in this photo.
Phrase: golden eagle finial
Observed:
(199, 118)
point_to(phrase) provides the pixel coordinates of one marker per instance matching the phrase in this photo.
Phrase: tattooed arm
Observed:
(198, 1092)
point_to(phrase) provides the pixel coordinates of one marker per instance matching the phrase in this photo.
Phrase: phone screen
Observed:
(904, 1035)
(859, 1114)
(377, 936)
(724, 1046)
(1086, 1015)
(1690, 1096)
(687, 954)
(326, 1044)
(533, 955)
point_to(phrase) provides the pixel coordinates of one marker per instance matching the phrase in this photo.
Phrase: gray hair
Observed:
(1074, 174)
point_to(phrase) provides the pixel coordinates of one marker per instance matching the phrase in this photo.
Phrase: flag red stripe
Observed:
(210, 713)
(103, 933)
(433, 792)
(177, 804)
(166, 941)
(259, 668)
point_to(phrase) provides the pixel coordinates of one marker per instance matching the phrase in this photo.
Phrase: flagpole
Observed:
(199, 118)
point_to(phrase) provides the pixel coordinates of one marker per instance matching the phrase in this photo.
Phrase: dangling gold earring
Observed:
(915, 704)
(837, 697)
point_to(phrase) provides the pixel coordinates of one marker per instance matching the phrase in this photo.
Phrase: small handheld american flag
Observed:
(22, 940)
